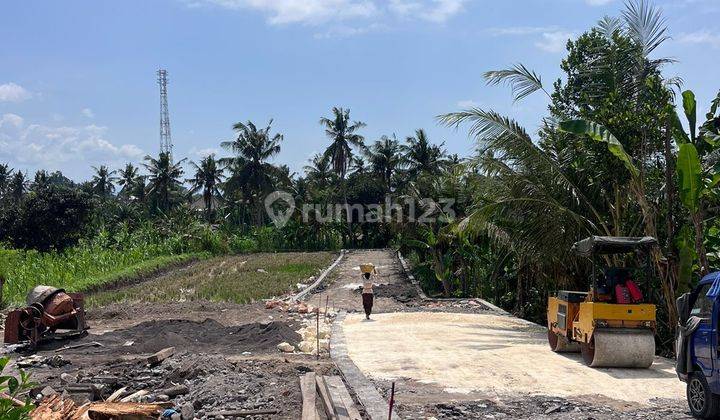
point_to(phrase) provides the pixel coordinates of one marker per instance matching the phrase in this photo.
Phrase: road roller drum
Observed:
(621, 348)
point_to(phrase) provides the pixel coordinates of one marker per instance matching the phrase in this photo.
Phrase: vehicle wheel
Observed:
(552, 339)
(702, 402)
(588, 352)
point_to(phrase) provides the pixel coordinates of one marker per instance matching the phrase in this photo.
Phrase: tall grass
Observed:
(118, 256)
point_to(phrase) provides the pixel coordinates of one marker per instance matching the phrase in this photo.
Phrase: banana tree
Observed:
(436, 245)
(695, 180)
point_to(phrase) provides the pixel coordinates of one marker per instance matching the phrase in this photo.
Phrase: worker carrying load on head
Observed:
(367, 270)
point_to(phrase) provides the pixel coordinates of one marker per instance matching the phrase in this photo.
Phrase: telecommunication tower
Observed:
(166, 145)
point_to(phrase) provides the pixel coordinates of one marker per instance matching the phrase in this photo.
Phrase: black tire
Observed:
(701, 401)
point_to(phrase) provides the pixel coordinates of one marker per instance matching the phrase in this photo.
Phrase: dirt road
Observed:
(343, 290)
(467, 365)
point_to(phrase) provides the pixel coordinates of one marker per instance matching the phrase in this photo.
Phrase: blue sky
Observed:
(78, 85)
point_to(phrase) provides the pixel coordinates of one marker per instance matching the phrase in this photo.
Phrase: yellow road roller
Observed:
(612, 325)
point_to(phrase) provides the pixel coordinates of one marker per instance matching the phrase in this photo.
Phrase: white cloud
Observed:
(552, 39)
(348, 31)
(700, 37)
(202, 153)
(300, 11)
(87, 112)
(11, 92)
(554, 42)
(316, 12)
(520, 30)
(438, 11)
(598, 2)
(11, 119)
(468, 103)
(71, 149)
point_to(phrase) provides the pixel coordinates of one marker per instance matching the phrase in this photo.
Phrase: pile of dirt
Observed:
(402, 292)
(208, 336)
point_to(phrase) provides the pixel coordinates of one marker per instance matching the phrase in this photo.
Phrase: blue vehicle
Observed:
(698, 362)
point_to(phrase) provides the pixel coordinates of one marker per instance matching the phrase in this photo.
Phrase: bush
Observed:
(50, 218)
(242, 244)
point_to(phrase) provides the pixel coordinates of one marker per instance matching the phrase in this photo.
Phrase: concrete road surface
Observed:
(495, 355)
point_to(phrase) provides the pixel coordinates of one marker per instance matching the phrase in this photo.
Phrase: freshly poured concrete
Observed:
(492, 354)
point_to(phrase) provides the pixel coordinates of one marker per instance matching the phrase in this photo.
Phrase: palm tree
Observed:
(384, 157)
(208, 177)
(165, 184)
(421, 156)
(318, 172)
(343, 135)
(127, 178)
(103, 181)
(5, 177)
(251, 174)
(17, 187)
(41, 179)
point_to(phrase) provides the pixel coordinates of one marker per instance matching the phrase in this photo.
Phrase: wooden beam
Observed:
(341, 400)
(325, 398)
(309, 395)
(158, 357)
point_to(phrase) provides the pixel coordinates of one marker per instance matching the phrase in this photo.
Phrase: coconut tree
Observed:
(422, 157)
(103, 182)
(251, 175)
(319, 172)
(208, 177)
(6, 174)
(165, 184)
(343, 135)
(127, 179)
(385, 159)
(17, 187)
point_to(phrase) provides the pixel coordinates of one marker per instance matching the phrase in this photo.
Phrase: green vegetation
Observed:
(241, 279)
(11, 386)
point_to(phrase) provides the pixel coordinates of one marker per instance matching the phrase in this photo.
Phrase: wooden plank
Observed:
(309, 395)
(341, 400)
(158, 357)
(325, 398)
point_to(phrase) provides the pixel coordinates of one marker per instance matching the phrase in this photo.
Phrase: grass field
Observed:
(79, 269)
(239, 279)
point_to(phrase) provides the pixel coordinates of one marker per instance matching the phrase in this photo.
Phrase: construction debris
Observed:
(291, 307)
(38, 360)
(56, 407)
(158, 357)
(81, 345)
(286, 347)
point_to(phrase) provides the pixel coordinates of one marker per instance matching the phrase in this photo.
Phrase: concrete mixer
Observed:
(611, 325)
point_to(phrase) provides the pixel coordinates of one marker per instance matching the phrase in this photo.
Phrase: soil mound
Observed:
(208, 336)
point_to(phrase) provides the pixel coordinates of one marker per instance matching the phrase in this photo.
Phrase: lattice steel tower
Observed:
(166, 145)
